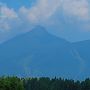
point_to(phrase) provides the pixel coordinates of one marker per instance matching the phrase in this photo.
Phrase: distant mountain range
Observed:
(38, 53)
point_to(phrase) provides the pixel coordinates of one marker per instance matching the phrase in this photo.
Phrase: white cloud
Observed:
(78, 8)
(43, 12)
(8, 13)
(44, 9)
(4, 26)
(7, 17)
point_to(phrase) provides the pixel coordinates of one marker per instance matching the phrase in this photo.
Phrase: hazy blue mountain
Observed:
(83, 48)
(38, 53)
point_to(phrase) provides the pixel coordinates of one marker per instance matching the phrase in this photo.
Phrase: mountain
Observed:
(83, 48)
(38, 53)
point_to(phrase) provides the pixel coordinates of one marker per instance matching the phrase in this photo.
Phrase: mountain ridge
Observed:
(39, 54)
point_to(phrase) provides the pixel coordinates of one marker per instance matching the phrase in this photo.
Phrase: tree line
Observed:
(42, 83)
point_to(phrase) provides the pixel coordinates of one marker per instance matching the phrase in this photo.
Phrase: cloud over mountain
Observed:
(45, 12)
(44, 9)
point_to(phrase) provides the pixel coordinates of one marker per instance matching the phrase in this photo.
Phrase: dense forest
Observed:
(43, 83)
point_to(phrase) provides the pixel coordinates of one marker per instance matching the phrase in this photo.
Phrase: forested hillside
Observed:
(43, 83)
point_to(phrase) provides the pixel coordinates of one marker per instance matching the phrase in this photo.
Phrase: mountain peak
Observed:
(39, 30)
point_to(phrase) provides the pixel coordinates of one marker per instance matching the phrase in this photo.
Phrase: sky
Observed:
(69, 19)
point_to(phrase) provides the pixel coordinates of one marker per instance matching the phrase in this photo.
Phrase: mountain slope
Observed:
(83, 48)
(38, 53)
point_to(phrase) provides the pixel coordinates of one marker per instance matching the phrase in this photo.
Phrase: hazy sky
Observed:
(69, 19)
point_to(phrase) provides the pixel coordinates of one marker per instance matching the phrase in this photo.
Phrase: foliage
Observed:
(11, 83)
(42, 83)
